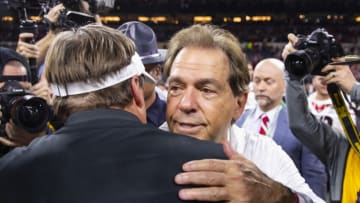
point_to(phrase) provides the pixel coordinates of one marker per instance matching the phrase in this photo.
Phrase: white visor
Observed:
(136, 67)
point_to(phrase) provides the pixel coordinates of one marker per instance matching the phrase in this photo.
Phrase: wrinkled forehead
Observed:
(269, 70)
(201, 61)
(15, 68)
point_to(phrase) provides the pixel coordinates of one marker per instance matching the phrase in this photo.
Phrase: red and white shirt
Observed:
(324, 111)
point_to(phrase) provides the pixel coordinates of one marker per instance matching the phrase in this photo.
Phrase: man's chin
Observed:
(191, 133)
(262, 102)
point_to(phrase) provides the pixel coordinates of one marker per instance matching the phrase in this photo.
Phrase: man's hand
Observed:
(25, 49)
(17, 136)
(233, 181)
(42, 89)
(289, 47)
(341, 75)
(54, 13)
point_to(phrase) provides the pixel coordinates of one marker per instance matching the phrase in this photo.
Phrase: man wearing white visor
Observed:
(104, 153)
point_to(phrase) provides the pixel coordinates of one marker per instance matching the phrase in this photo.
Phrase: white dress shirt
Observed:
(269, 157)
(253, 120)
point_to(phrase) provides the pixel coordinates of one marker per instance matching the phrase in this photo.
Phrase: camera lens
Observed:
(29, 112)
(299, 63)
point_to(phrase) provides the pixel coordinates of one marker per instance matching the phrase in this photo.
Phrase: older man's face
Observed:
(269, 85)
(200, 101)
(15, 68)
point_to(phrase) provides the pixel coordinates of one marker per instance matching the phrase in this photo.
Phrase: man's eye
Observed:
(269, 82)
(174, 90)
(207, 90)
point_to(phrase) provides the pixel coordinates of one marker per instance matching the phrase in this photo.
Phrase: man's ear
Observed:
(137, 91)
(240, 105)
(138, 105)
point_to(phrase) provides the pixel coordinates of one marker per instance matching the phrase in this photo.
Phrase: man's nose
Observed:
(261, 85)
(188, 102)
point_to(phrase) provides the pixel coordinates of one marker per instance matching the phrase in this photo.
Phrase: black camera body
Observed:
(74, 15)
(27, 111)
(313, 53)
(73, 19)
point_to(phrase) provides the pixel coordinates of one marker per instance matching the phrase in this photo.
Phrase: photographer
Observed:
(14, 65)
(56, 21)
(28, 50)
(330, 145)
(44, 43)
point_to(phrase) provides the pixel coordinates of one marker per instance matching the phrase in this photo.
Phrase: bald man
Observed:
(269, 118)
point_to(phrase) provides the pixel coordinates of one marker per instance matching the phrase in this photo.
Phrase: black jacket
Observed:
(102, 156)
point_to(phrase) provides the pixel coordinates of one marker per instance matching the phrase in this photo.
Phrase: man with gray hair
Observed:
(105, 152)
(207, 78)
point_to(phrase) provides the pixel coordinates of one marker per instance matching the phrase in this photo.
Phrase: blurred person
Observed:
(321, 106)
(104, 152)
(41, 88)
(270, 119)
(251, 71)
(44, 43)
(250, 102)
(14, 67)
(330, 145)
(52, 18)
(207, 81)
(152, 58)
(28, 50)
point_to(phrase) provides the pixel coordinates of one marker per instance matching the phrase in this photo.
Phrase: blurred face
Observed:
(319, 85)
(15, 68)
(149, 88)
(269, 85)
(200, 102)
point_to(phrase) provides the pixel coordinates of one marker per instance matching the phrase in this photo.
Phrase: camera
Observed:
(27, 111)
(73, 19)
(75, 15)
(313, 53)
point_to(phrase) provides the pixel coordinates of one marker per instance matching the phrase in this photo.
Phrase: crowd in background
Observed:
(301, 171)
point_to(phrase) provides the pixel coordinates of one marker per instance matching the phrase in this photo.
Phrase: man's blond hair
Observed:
(89, 53)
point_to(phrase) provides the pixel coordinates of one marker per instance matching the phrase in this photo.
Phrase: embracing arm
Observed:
(232, 181)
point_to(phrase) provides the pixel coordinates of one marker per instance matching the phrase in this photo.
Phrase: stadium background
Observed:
(260, 25)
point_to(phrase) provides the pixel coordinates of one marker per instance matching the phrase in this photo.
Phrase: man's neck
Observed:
(271, 107)
(150, 100)
(321, 96)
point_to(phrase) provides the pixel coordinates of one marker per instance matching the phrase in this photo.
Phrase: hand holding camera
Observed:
(25, 49)
(311, 53)
(17, 136)
(340, 75)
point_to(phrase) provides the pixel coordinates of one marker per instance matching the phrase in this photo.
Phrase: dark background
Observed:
(259, 39)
